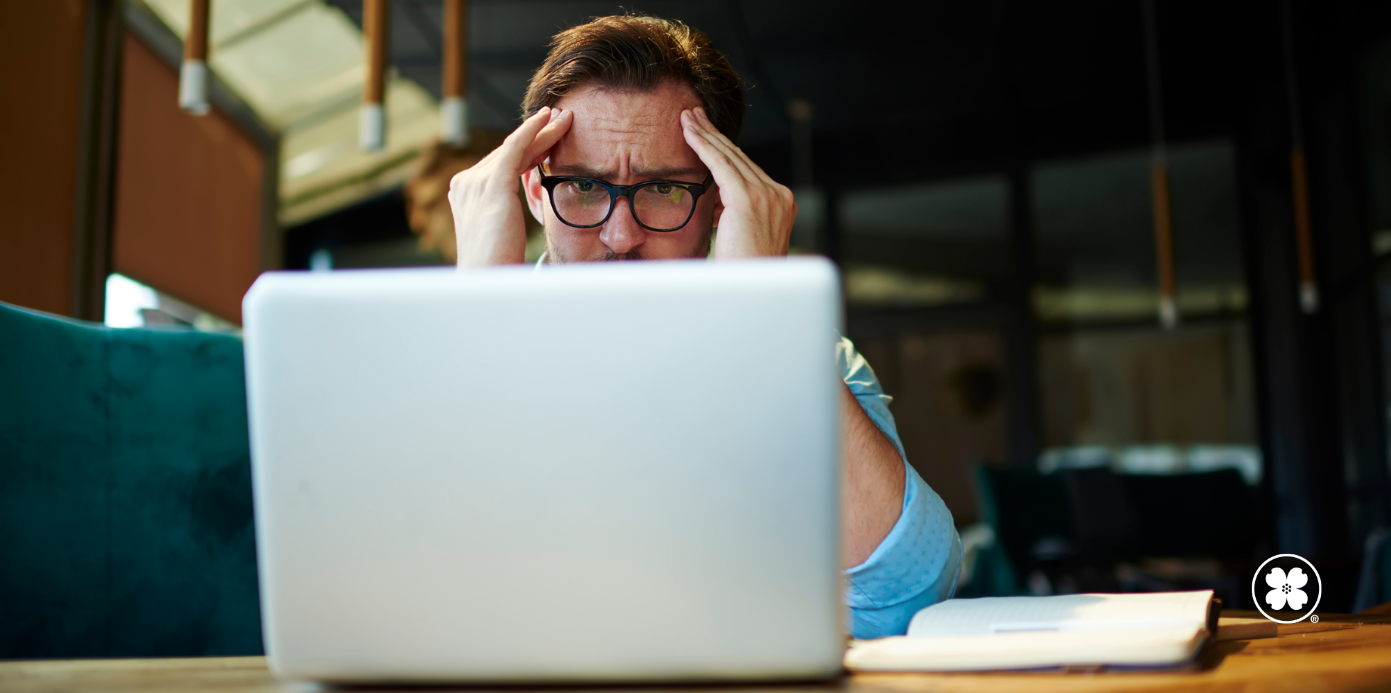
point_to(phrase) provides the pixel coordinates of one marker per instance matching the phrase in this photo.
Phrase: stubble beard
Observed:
(554, 254)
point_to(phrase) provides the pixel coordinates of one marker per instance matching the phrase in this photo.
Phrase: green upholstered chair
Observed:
(1374, 584)
(125, 492)
(1023, 507)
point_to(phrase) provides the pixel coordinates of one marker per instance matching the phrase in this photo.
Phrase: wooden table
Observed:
(1340, 653)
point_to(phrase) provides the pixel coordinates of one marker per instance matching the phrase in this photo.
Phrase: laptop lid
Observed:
(606, 472)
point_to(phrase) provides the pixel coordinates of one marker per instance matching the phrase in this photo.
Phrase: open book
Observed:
(1155, 630)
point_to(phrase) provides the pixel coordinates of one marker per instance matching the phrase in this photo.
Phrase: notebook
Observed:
(1152, 631)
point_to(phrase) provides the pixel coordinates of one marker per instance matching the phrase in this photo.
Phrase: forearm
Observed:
(873, 482)
(900, 538)
(915, 566)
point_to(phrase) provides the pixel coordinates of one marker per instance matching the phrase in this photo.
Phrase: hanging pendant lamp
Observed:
(1299, 178)
(372, 116)
(1159, 180)
(454, 120)
(193, 72)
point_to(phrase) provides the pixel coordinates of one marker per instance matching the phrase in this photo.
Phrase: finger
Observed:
(737, 157)
(732, 150)
(514, 148)
(708, 148)
(726, 174)
(546, 139)
(723, 151)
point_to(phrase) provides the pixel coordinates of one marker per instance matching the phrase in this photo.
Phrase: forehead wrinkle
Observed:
(626, 135)
(615, 133)
(625, 126)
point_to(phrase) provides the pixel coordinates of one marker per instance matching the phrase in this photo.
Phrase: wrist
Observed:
(496, 251)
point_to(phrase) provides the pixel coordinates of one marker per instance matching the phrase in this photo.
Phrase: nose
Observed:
(621, 233)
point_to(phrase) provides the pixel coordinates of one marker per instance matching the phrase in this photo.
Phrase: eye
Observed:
(664, 188)
(584, 186)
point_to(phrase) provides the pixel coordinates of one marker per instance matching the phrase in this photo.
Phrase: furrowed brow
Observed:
(673, 173)
(669, 173)
(577, 170)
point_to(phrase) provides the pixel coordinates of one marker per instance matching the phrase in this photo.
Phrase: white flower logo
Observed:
(1286, 588)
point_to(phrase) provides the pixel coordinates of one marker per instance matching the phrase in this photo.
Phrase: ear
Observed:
(719, 209)
(535, 194)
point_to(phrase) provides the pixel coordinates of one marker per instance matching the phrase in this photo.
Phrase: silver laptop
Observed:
(601, 473)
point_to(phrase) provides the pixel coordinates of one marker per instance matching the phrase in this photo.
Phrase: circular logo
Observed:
(1282, 586)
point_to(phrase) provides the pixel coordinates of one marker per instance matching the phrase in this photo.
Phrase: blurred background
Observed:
(983, 173)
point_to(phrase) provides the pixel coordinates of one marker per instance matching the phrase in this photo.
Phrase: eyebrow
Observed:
(650, 173)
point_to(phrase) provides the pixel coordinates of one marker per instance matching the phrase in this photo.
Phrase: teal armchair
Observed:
(125, 492)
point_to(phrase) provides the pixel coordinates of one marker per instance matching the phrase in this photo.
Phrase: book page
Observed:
(1070, 612)
(1159, 647)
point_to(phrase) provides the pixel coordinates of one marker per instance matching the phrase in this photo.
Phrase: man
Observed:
(649, 103)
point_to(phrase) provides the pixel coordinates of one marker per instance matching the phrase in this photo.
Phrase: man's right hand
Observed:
(488, 222)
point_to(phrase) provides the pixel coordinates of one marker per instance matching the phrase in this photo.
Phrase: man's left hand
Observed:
(757, 211)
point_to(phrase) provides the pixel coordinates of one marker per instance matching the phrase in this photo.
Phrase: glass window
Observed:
(1117, 390)
(924, 244)
(1094, 222)
(132, 304)
(1146, 400)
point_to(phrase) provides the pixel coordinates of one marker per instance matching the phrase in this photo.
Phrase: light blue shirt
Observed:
(917, 564)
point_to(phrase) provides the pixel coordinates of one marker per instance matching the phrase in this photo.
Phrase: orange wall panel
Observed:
(188, 193)
(41, 47)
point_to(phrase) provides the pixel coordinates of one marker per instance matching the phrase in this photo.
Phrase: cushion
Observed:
(125, 492)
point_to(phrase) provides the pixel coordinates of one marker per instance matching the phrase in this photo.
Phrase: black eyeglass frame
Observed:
(616, 191)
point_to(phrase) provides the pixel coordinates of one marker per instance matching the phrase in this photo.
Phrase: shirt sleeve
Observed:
(917, 564)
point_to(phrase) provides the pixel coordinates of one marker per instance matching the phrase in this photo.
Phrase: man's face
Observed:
(625, 137)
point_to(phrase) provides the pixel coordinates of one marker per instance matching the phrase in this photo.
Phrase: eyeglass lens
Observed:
(585, 203)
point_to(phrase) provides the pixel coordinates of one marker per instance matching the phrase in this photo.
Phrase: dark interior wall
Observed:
(41, 43)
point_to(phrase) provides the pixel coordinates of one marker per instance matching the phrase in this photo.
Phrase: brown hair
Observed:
(633, 52)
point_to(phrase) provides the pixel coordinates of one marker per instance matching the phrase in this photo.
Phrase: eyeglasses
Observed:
(656, 205)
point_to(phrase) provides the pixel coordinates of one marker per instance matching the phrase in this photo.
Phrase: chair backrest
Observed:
(1374, 582)
(1022, 507)
(125, 493)
(1104, 525)
(1212, 514)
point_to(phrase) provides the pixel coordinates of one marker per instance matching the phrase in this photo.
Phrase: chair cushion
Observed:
(125, 492)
